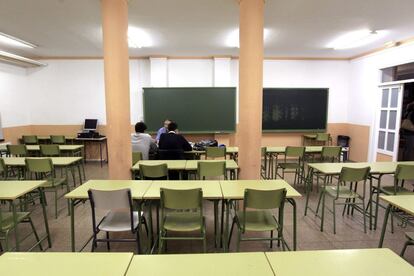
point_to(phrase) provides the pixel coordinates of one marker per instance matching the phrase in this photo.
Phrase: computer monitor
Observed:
(90, 124)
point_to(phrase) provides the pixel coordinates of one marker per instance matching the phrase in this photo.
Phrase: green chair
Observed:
(410, 241)
(293, 163)
(43, 169)
(30, 140)
(207, 169)
(263, 167)
(331, 154)
(258, 216)
(3, 170)
(181, 211)
(17, 150)
(153, 172)
(57, 139)
(350, 194)
(8, 225)
(322, 138)
(50, 150)
(136, 157)
(215, 152)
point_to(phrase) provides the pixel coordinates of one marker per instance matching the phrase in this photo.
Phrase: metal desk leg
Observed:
(293, 202)
(16, 232)
(72, 224)
(151, 230)
(370, 203)
(384, 225)
(100, 151)
(215, 222)
(377, 202)
(308, 184)
(106, 150)
(226, 231)
(43, 203)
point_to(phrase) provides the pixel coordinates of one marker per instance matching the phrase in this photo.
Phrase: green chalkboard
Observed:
(195, 109)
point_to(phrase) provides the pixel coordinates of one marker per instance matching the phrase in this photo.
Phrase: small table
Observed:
(12, 190)
(355, 262)
(101, 141)
(65, 264)
(173, 165)
(231, 166)
(234, 190)
(218, 264)
(46, 139)
(138, 188)
(402, 202)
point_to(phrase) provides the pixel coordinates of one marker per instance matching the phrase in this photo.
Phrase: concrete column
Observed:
(250, 88)
(116, 67)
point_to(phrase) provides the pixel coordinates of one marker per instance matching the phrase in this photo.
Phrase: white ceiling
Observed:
(298, 28)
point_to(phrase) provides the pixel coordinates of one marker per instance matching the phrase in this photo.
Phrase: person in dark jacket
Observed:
(172, 145)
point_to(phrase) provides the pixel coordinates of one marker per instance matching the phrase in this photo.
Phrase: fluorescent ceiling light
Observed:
(138, 38)
(233, 39)
(356, 39)
(19, 60)
(14, 41)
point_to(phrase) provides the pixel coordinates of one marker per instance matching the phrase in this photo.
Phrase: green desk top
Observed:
(351, 262)
(192, 164)
(310, 136)
(234, 189)
(61, 147)
(65, 264)
(225, 264)
(308, 149)
(376, 167)
(10, 190)
(138, 187)
(211, 189)
(171, 164)
(57, 161)
(48, 137)
(403, 202)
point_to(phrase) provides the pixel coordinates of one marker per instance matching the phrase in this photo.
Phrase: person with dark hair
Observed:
(162, 130)
(409, 133)
(142, 142)
(172, 145)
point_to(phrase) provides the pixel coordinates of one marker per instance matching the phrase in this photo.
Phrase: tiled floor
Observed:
(350, 232)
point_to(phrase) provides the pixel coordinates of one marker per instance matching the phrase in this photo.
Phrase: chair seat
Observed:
(56, 182)
(344, 192)
(182, 222)
(389, 190)
(118, 222)
(258, 220)
(410, 235)
(289, 166)
(7, 222)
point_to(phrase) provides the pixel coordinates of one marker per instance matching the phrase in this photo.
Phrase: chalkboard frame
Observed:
(301, 130)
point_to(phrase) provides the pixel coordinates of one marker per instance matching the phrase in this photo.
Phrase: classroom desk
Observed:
(65, 162)
(231, 166)
(234, 190)
(378, 169)
(355, 262)
(73, 150)
(138, 189)
(402, 202)
(101, 141)
(12, 190)
(217, 264)
(65, 264)
(175, 165)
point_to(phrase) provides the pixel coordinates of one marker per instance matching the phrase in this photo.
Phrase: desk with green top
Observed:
(378, 169)
(65, 264)
(234, 190)
(73, 150)
(355, 262)
(12, 190)
(174, 165)
(138, 189)
(401, 202)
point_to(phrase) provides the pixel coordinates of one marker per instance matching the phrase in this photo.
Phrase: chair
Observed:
(257, 216)
(136, 156)
(57, 139)
(50, 150)
(153, 172)
(7, 225)
(30, 140)
(3, 170)
(43, 169)
(120, 216)
(181, 211)
(410, 241)
(211, 169)
(350, 194)
(331, 154)
(322, 138)
(293, 163)
(263, 167)
(215, 152)
(17, 150)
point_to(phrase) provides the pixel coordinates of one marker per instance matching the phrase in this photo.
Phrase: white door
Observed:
(388, 120)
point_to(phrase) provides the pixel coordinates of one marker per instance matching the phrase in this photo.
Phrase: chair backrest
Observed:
(404, 172)
(264, 199)
(296, 152)
(39, 165)
(30, 140)
(215, 152)
(3, 169)
(136, 156)
(153, 171)
(331, 154)
(58, 139)
(322, 137)
(49, 150)
(211, 169)
(263, 151)
(177, 154)
(354, 174)
(181, 199)
(17, 150)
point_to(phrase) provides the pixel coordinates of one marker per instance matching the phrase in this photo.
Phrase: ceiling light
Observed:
(138, 38)
(19, 60)
(14, 41)
(355, 39)
(233, 39)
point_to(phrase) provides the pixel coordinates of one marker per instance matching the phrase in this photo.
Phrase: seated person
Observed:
(172, 145)
(142, 142)
(162, 130)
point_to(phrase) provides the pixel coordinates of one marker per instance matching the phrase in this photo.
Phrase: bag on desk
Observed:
(203, 144)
